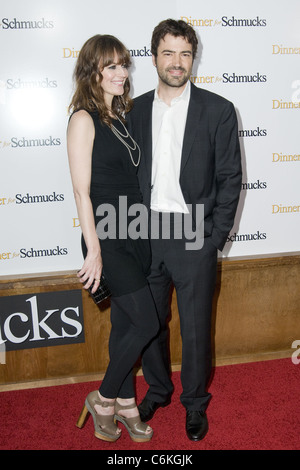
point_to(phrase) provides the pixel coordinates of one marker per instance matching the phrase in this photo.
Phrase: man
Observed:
(190, 157)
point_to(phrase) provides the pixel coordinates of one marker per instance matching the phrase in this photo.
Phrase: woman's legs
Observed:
(134, 324)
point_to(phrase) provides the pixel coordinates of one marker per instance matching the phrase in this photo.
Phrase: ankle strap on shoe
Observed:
(125, 407)
(104, 404)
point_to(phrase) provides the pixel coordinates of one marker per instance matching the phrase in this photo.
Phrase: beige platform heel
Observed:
(105, 426)
(136, 428)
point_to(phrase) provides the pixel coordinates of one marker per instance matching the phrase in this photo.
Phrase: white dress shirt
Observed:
(168, 125)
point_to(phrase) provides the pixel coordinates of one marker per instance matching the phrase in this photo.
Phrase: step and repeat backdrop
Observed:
(249, 52)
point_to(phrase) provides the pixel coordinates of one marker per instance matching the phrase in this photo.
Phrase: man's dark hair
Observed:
(175, 28)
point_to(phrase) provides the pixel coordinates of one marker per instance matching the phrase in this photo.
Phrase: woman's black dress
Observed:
(126, 261)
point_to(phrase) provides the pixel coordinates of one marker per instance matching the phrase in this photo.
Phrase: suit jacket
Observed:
(210, 171)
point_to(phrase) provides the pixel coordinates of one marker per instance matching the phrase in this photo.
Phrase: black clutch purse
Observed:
(102, 293)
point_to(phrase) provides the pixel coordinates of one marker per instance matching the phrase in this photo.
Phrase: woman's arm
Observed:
(80, 138)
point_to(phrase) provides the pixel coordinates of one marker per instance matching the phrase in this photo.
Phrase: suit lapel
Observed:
(195, 112)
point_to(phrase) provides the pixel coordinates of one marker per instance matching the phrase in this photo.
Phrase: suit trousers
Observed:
(193, 274)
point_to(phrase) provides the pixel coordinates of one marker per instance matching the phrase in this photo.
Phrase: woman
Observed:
(103, 161)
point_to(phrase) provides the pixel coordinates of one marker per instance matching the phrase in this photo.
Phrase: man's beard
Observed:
(171, 80)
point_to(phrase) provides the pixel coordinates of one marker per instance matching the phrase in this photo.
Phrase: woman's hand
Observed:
(91, 271)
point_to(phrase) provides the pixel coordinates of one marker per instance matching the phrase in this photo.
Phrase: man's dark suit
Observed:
(210, 175)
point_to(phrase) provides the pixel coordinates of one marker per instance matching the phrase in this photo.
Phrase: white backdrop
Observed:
(249, 52)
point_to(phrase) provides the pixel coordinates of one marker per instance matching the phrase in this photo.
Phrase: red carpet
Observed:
(255, 406)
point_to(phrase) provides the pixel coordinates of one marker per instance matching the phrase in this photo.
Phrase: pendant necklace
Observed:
(121, 137)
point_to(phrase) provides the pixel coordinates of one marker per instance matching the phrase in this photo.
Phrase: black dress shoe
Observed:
(196, 425)
(148, 407)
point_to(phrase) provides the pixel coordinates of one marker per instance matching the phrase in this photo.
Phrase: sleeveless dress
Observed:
(126, 260)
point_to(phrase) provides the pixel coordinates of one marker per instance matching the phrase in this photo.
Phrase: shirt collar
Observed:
(185, 95)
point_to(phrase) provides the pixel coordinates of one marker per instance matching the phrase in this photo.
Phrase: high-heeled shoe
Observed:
(105, 426)
(136, 428)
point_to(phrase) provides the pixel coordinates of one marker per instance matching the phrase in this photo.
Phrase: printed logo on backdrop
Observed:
(25, 253)
(230, 77)
(21, 84)
(41, 320)
(232, 21)
(26, 24)
(233, 77)
(225, 21)
(9, 255)
(26, 142)
(45, 252)
(71, 53)
(279, 49)
(32, 198)
(279, 157)
(281, 104)
(140, 52)
(254, 185)
(247, 237)
(285, 209)
(257, 132)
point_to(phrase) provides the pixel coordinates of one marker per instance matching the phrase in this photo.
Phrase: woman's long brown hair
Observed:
(98, 52)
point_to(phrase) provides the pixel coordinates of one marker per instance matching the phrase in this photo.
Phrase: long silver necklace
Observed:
(121, 137)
